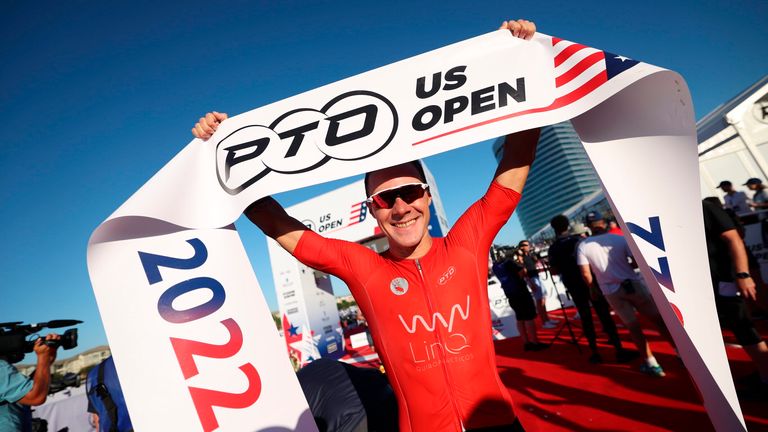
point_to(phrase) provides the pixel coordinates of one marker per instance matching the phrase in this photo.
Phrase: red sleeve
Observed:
(478, 226)
(336, 257)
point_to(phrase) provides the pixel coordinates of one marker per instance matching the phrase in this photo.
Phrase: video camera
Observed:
(14, 337)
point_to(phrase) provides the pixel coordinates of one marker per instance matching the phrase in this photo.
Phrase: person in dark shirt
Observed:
(530, 261)
(562, 261)
(510, 274)
(729, 268)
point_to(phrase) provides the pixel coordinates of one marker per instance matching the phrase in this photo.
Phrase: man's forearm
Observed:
(41, 382)
(737, 251)
(740, 263)
(586, 275)
(515, 164)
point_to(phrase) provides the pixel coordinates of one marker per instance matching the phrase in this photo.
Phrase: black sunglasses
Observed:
(408, 192)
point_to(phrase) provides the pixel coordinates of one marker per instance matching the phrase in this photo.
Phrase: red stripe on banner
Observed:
(566, 53)
(560, 102)
(582, 91)
(555, 41)
(579, 68)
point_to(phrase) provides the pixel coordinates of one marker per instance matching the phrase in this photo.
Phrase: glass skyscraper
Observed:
(561, 177)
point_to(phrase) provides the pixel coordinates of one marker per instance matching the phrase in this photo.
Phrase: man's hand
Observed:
(747, 288)
(45, 353)
(208, 124)
(521, 28)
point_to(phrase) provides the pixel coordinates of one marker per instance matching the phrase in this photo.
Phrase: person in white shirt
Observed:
(734, 200)
(607, 256)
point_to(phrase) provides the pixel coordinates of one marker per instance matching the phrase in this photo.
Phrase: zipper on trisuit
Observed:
(440, 341)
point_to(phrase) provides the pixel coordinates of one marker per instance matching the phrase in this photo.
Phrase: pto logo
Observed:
(351, 126)
(399, 286)
(448, 275)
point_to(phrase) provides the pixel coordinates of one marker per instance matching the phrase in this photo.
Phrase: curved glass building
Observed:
(560, 178)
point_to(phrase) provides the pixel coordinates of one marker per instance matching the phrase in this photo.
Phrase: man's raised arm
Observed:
(266, 213)
(271, 218)
(520, 147)
(519, 152)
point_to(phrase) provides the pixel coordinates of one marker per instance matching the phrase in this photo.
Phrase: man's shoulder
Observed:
(604, 239)
(4, 365)
(614, 239)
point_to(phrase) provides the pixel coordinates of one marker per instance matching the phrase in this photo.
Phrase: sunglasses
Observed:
(408, 192)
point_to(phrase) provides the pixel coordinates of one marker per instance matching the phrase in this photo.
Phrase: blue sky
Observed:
(95, 97)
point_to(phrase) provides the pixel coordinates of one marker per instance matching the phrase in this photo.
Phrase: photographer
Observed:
(18, 392)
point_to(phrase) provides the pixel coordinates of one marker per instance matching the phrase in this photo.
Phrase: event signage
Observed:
(199, 351)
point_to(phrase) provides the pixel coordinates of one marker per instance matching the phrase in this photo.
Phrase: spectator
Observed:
(734, 200)
(760, 197)
(562, 261)
(19, 392)
(540, 294)
(510, 275)
(607, 256)
(105, 398)
(613, 228)
(729, 268)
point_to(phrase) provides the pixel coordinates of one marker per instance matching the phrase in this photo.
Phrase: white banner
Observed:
(198, 340)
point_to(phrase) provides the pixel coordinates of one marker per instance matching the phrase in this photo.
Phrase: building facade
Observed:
(733, 145)
(74, 364)
(561, 177)
(733, 141)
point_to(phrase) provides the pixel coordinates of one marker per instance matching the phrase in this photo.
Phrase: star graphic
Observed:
(622, 58)
(293, 330)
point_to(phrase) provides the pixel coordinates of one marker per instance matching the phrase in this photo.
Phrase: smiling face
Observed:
(405, 224)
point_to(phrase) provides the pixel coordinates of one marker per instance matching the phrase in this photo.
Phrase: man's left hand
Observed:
(747, 288)
(521, 28)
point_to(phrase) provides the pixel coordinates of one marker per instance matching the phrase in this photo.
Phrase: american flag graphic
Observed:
(579, 70)
(357, 213)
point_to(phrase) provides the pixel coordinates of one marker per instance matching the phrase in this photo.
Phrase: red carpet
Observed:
(559, 390)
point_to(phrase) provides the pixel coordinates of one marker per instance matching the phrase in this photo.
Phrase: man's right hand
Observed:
(46, 354)
(207, 125)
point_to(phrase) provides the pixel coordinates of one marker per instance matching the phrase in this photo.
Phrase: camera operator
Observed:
(18, 392)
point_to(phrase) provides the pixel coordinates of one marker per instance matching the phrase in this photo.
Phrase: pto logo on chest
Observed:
(448, 275)
(399, 286)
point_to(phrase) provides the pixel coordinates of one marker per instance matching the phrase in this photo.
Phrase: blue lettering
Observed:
(656, 238)
(152, 262)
